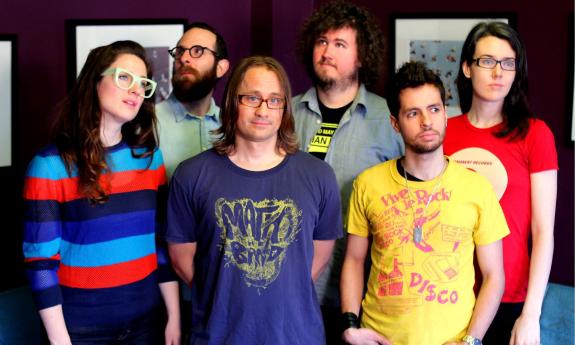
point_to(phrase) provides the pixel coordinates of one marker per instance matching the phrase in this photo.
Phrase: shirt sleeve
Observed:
(540, 142)
(181, 219)
(357, 222)
(165, 271)
(330, 224)
(42, 232)
(492, 225)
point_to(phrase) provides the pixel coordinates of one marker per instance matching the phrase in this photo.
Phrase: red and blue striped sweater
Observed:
(100, 261)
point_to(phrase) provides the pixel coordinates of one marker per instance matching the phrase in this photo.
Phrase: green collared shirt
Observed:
(183, 135)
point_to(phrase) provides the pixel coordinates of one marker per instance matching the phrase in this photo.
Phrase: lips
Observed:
(131, 103)
(428, 135)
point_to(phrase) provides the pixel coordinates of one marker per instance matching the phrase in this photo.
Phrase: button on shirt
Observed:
(182, 134)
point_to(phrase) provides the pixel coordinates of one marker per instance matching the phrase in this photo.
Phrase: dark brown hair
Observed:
(340, 14)
(411, 75)
(287, 139)
(77, 127)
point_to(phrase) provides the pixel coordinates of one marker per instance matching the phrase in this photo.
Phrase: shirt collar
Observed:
(360, 100)
(180, 111)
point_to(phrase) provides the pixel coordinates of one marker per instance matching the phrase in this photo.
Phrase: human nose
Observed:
(425, 120)
(260, 110)
(185, 58)
(137, 89)
(497, 70)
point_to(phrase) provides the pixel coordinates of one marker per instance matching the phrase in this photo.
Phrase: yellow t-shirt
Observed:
(422, 293)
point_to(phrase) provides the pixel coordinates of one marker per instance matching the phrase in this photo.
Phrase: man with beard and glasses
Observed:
(426, 216)
(187, 116)
(338, 120)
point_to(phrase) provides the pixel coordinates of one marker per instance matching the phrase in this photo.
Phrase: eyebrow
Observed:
(259, 93)
(491, 56)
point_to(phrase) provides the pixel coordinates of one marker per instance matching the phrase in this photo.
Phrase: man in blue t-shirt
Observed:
(252, 222)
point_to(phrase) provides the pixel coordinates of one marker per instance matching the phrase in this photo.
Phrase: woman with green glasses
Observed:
(91, 210)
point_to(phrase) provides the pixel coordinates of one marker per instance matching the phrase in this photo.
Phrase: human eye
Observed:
(178, 51)
(321, 41)
(251, 100)
(508, 64)
(340, 45)
(487, 62)
(276, 101)
(197, 51)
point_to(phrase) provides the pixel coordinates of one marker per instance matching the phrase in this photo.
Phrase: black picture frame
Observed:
(8, 97)
(156, 35)
(437, 38)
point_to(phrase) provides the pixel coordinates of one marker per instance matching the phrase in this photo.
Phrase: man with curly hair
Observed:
(338, 120)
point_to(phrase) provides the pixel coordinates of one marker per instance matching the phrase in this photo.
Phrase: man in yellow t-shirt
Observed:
(427, 215)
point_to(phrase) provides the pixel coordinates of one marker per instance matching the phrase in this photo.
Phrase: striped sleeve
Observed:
(43, 228)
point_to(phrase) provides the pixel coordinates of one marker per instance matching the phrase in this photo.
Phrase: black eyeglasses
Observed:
(490, 63)
(254, 101)
(194, 51)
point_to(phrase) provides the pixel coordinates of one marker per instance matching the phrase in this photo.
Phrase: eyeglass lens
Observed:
(126, 80)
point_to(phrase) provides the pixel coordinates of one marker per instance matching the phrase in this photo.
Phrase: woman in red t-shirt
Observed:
(498, 137)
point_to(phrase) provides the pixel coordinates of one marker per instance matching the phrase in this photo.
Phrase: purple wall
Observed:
(265, 27)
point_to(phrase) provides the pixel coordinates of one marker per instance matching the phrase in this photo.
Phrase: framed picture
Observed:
(157, 36)
(8, 61)
(437, 41)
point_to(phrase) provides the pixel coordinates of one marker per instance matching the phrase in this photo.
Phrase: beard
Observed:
(187, 90)
(326, 83)
(425, 148)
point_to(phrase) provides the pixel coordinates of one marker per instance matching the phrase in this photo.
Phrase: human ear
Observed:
(466, 69)
(222, 67)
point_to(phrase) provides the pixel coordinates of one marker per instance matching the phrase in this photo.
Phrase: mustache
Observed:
(325, 61)
(188, 69)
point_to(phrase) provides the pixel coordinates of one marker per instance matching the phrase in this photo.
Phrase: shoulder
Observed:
(205, 160)
(309, 161)
(469, 177)
(47, 163)
(538, 127)
(456, 120)
(377, 170)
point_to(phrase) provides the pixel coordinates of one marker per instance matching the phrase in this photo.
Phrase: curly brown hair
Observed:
(340, 14)
(77, 127)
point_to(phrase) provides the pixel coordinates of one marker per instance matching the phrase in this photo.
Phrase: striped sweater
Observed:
(98, 260)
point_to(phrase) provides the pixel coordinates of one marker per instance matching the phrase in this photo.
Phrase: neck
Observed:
(110, 135)
(256, 156)
(337, 98)
(485, 114)
(426, 166)
(199, 107)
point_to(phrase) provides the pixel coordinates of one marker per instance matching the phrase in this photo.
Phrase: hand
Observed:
(525, 331)
(364, 336)
(172, 334)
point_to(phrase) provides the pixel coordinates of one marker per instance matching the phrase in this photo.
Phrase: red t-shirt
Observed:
(507, 165)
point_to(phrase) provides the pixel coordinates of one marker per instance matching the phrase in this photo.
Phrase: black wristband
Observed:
(349, 320)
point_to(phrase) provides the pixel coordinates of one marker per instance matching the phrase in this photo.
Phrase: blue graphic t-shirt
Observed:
(254, 233)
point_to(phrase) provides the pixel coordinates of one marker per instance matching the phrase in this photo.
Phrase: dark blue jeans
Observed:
(140, 332)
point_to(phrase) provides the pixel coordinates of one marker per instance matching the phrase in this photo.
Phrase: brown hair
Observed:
(77, 127)
(287, 139)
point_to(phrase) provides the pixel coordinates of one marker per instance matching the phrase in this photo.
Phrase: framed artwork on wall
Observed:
(437, 40)
(157, 36)
(8, 62)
